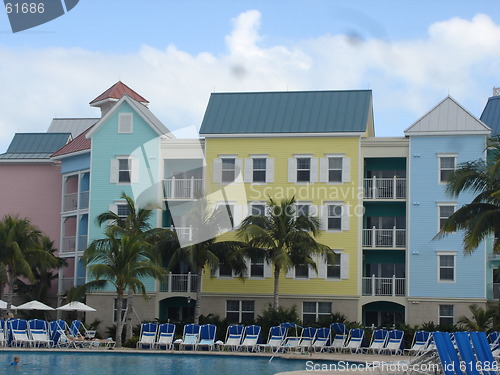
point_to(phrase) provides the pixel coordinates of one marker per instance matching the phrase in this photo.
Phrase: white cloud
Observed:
(408, 77)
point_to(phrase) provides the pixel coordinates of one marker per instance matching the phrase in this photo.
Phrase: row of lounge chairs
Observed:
(54, 334)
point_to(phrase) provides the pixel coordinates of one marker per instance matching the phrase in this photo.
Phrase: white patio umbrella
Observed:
(75, 306)
(34, 305)
(3, 305)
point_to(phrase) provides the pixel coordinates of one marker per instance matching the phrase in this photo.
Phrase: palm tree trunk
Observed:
(119, 321)
(128, 315)
(276, 303)
(198, 296)
(8, 295)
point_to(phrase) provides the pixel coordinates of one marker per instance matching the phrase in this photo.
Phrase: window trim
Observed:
(257, 203)
(443, 204)
(123, 115)
(446, 316)
(339, 254)
(297, 157)
(449, 253)
(335, 156)
(240, 308)
(295, 277)
(256, 156)
(231, 157)
(327, 216)
(130, 166)
(317, 314)
(446, 155)
(250, 276)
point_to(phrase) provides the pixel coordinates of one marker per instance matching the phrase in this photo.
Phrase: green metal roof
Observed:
(35, 145)
(287, 112)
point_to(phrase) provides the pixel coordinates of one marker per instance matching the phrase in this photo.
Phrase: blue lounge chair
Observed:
(308, 337)
(293, 338)
(234, 336)
(340, 335)
(165, 338)
(322, 339)
(39, 332)
(450, 362)
(378, 341)
(56, 328)
(207, 337)
(18, 328)
(276, 338)
(148, 335)
(356, 340)
(494, 339)
(483, 353)
(421, 340)
(467, 355)
(395, 343)
(251, 338)
(190, 336)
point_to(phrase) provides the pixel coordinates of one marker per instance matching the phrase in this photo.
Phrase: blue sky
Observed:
(175, 53)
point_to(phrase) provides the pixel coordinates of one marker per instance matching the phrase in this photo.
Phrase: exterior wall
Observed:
(281, 149)
(427, 310)
(75, 163)
(143, 145)
(425, 194)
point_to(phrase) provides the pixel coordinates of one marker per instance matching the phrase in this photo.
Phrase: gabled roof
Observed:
(115, 92)
(287, 112)
(79, 144)
(491, 114)
(142, 110)
(448, 118)
(75, 126)
(35, 145)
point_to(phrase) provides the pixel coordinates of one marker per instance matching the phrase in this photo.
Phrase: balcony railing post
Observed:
(394, 190)
(374, 187)
(169, 286)
(374, 237)
(189, 283)
(191, 188)
(394, 236)
(172, 188)
(373, 285)
(393, 285)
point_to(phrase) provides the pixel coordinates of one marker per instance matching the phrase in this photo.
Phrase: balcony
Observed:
(82, 242)
(384, 286)
(385, 188)
(176, 188)
(68, 244)
(84, 200)
(384, 237)
(179, 283)
(183, 233)
(70, 202)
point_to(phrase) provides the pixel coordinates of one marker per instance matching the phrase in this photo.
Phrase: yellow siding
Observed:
(318, 193)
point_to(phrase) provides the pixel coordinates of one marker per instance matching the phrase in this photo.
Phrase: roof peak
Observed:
(115, 92)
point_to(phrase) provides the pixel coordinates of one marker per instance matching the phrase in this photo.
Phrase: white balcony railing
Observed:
(84, 200)
(82, 242)
(177, 188)
(384, 286)
(384, 237)
(70, 202)
(68, 244)
(385, 188)
(183, 233)
(179, 283)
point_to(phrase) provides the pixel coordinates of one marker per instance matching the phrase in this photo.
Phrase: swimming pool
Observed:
(106, 363)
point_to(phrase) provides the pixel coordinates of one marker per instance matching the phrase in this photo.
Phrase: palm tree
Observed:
(121, 259)
(205, 250)
(21, 246)
(283, 238)
(481, 217)
(481, 320)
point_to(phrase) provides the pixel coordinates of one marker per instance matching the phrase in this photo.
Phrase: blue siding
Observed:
(75, 163)
(425, 193)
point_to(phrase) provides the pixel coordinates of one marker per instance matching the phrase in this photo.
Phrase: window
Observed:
(445, 315)
(313, 312)
(303, 169)
(124, 307)
(259, 169)
(124, 170)
(225, 270)
(228, 169)
(257, 209)
(446, 268)
(446, 167)
(302, 271)
(122, 210)
(302, 209)
(257, 266)
(333, 267)
(445, 211)
(334, 217)
(125, 124)
(240, 311)
(335, 169)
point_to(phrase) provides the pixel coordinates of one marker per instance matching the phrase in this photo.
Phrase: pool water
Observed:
(106, 363)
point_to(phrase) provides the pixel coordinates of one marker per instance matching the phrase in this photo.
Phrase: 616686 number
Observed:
(24, 8)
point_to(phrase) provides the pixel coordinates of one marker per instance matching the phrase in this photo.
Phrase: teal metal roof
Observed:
(491, 115)
(35, 145)
(287, 112)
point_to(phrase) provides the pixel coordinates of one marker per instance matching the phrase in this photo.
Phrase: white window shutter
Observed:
(290, 273)
(346, 169)
(113, 172)
(323, 170)
(217, 173)
(321, 265)
(270, 170)
(344, 266)
(345, 225)
(268, 269)
(314, 169)
(113, 208)
(134, 174)
(292, 170)
(323, 217)
(238, 162)
(247, 174)
(247, 272)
